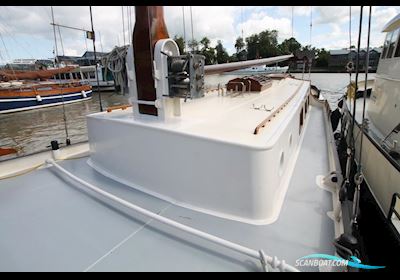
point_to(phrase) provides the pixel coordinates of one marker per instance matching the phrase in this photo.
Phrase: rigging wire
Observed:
(359, 176)
(123, 24)
(129, 24)
(357, 71)
(184, 29)
(8, 55)
(292, 20)
(241, 14)
(19, 44)
(128, 11)
(62, 45)
(95, 59)
(150, 40)
(191, 23)
(132, 22)
(309, 66)
(55, 37)
(350, 58)
(366, 81)
(68, 141)
(27, 44)
(346, 179)
(85, 36)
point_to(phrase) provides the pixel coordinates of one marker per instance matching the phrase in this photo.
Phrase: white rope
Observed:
(259, 255)
(115, 62)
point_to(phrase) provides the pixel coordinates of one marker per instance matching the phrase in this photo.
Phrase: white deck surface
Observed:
(50, 223)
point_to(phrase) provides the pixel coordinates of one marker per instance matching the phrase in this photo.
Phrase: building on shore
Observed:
(87, 59)
(338, 59)
(29, 64)
(303, 60)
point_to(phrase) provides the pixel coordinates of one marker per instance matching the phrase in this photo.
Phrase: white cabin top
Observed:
(233, 117)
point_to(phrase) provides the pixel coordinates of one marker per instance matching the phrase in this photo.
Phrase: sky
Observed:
(25, 32)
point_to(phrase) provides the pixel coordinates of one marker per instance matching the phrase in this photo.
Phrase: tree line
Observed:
(261, 45)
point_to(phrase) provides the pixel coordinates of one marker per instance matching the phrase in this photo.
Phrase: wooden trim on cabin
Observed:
(275, 112)
(122, 107)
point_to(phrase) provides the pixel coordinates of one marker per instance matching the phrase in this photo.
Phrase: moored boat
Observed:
(369, 136)
(28, 95)
(260, 70)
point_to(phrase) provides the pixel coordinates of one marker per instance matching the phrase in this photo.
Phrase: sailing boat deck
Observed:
(49, 222)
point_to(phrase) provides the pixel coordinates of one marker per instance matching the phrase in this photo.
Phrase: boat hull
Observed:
(10, 105)
(381, 171)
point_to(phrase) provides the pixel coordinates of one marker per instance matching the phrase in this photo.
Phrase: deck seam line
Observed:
(123, 241)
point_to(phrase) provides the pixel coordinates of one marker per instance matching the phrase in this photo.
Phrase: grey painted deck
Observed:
(50, 223)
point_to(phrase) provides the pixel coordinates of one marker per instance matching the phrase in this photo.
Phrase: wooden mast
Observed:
(149, 28)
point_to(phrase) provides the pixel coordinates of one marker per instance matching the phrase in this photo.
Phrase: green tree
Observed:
(322, 59)
(239, 45)
(252, 43)
(289, 46)
(205, 42)
(222, 55)
(193, 45)
(180, 42)
(207, 51)
(262, 45)
(241, 53)
(268, 41)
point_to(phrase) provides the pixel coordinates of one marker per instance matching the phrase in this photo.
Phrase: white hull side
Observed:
(382, 178)
(384, 106)
(207, 184)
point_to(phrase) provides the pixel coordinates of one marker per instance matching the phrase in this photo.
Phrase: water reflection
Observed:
(31, 131)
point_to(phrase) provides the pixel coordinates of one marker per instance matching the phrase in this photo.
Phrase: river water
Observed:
(31, 131)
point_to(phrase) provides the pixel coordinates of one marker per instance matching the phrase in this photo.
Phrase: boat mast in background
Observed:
(56, 64)
(93, 37)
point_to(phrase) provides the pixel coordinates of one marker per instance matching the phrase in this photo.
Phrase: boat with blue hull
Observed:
(21, 96)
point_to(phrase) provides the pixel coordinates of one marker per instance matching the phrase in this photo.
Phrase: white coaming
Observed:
(207, 160)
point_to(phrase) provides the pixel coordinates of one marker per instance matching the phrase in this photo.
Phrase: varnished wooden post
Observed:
(149, 28)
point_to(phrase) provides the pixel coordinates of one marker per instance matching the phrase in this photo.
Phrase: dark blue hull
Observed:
(9, 105)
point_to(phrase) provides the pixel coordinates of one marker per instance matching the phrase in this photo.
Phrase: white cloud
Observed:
(261, 21)
(332, 14)
(217, 23)
(29, 25)
(297, 11)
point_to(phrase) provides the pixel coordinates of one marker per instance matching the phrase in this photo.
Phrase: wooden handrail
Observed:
(273, 114)
(122, 107)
